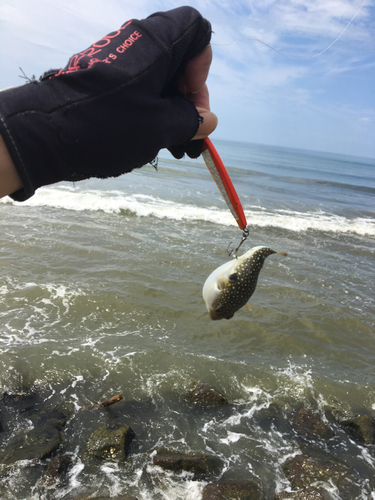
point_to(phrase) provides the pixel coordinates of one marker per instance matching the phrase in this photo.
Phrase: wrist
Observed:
(10, 181)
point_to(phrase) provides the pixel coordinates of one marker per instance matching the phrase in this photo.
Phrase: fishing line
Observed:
(294, 56)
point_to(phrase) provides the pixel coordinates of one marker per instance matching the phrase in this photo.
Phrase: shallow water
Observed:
(101, 294)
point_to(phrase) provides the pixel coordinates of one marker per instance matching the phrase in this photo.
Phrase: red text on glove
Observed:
(96, 49)
(128, 42)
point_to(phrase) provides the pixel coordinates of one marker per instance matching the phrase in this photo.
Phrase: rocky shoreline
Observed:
(31, 430)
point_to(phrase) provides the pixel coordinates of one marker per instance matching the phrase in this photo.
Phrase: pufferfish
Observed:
(231, 285)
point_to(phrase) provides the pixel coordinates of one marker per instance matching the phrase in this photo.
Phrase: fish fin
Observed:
(247, 305)
(223, 283)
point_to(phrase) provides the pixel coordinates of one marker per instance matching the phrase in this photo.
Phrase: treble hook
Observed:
(245, 234)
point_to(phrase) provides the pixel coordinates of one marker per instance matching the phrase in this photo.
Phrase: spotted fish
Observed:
(231, 285)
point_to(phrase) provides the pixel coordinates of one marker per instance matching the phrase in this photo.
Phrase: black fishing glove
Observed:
(111, 109)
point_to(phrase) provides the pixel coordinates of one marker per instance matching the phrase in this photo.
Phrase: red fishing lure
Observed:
(222, 179)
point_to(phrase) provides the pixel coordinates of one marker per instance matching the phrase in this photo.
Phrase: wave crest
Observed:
(143, 205)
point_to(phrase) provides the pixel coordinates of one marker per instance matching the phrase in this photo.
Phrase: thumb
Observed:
(208, 125)
(202, 103)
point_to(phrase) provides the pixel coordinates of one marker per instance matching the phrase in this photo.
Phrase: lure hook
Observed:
(245, 234)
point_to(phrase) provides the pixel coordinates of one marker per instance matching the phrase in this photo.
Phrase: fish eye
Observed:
(233, 278)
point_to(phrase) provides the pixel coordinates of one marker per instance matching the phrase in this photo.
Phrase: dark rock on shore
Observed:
(37, 442)
(200, 465)
(22, 403)
(58, 466)
(42, 439)
(201, 394)
(361, 429)
(308, 494)
(273, 416)
(302, 471)
(231, 490)
(317, 453)
(132, 410)
(56, 470)
(40, 442)
(333, 414)
(111, 444)
(54, 418)
(311, 426)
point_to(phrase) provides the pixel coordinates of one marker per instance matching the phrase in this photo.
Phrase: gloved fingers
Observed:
(192, 148)
(182, 118)
(196, 72)
(177, 112)
(184, 34)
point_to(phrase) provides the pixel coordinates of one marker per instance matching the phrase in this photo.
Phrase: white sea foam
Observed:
(233, 437)
(186, 488)
(143, 205)
(312, 220)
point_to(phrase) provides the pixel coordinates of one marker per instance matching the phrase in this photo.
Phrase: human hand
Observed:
(193, 85)
(115, 105)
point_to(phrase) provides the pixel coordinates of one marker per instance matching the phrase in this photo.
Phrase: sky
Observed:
(292, 73)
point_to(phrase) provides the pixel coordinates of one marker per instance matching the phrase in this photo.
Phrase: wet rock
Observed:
(22, 403)
(232, 490)
(109, 443)
(134, 411)
(201, 394)
(200, 465)
(54, 418)
(308, 494)
(302, 471)
(41, 441)
(361, 429)
(316, 453)
(310, 426)
(58, 466)
(270, 413)
(334, 414)
(37, 443)
(273, 416)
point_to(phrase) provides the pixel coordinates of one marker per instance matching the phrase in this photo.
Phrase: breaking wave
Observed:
(142, 205)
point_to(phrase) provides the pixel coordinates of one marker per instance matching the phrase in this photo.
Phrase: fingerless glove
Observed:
(111, 109)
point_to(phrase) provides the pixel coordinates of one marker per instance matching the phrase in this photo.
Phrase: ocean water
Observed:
(101, 293)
